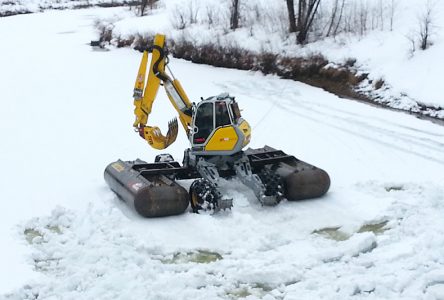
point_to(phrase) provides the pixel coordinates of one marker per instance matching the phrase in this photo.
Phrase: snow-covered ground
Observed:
(66, 112)
(14, 7)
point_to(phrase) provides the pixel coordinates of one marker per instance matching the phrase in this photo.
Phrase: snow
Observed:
(67, 112)
(13, 7)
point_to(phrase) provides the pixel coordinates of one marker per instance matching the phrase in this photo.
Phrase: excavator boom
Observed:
(145, 92)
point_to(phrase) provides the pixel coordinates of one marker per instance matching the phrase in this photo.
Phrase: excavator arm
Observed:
(218, 137)
(145, 92)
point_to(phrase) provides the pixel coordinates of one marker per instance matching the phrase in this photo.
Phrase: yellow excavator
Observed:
(217, 134)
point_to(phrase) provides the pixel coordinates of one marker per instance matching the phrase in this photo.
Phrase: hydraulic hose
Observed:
(162, 54)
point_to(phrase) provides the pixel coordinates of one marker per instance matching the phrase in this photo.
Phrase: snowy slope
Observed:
(383, 54)
(66, 112)
(387, 54)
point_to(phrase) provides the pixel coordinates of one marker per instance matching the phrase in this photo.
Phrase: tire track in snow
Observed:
(328, 108)
(366, 130)
(270, 89)
(427, 143)
(359, 133)
(352, 118)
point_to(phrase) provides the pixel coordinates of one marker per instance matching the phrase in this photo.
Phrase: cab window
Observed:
(204, 122)
(236, 111)
(222, 116)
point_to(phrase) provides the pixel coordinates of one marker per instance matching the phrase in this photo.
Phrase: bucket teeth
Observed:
(172, 132)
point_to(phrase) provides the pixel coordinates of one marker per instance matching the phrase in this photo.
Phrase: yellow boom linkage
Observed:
(144, 96)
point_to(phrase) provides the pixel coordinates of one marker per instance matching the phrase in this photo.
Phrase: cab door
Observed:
(225, 138)
(222, 115)
(203, 123)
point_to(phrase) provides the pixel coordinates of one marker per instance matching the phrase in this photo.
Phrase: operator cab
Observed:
(218, 127)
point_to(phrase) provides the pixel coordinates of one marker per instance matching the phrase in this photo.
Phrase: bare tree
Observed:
(291, 16)
(335, 18)
(306, 12)
(193, 12)
(179, 19)
(335, 31)
(381, 15)
(234, 14)
(144, 4)
(363, 17)
(425, 26)
(302, 5)
(392, 9)
(211, 15)
(421, 38)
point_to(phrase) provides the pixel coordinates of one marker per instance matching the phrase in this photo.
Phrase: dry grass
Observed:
(314, 70)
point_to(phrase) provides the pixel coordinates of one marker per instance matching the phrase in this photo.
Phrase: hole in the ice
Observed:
(55, 229)
(394, 188)
(376, 228)
(199, 257)
(239, 293)
(31, 234)
(262, 286)
(244, 290)
(332, 233)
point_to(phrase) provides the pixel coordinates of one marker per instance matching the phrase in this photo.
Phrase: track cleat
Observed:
(204, 197)
(226, 203)
(269, 200)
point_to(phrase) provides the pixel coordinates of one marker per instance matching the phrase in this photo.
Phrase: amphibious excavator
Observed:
(217, 133)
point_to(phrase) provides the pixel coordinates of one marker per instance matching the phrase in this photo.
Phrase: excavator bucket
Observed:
(155, 137)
